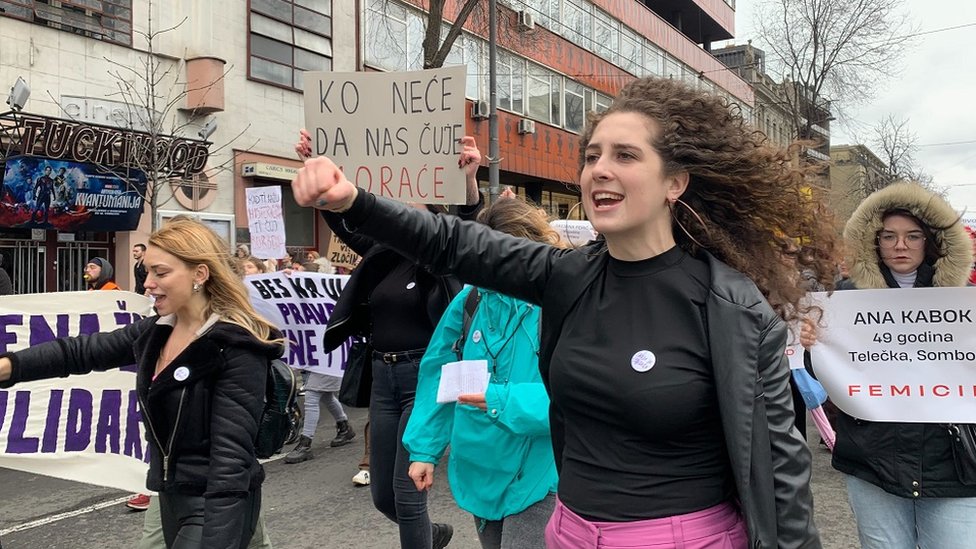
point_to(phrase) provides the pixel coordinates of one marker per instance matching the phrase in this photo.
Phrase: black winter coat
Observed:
(910, 460)
(351, 315)
(201, 429)
(770, 462)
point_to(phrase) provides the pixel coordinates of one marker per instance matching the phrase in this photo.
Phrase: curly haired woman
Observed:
(662, 345)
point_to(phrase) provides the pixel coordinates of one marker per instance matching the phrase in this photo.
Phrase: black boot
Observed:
(344, 434)
(441, 534)
(301, 452)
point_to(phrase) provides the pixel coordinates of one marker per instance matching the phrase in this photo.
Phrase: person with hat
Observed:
(100, 275)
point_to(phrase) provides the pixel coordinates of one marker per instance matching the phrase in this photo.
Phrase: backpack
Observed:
(470, 306)
(281, 417)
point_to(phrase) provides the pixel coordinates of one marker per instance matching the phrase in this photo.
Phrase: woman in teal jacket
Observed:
(501, 466)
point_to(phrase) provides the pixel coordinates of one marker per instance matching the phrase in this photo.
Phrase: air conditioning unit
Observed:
(526, 126)
(479, 110)
(526, 21)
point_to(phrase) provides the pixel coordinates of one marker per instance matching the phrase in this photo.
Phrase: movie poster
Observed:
(44, 193)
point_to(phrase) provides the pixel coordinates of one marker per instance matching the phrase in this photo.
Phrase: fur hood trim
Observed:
(863, 226)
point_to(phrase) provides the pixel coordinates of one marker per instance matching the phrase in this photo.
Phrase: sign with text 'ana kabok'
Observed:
(905, 355)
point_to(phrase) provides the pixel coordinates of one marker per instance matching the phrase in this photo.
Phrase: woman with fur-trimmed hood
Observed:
(901, 478)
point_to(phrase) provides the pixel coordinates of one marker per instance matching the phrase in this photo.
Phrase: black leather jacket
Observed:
(351, 315)
(202, 429)
(770, 462)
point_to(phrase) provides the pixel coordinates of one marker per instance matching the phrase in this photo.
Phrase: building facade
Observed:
(240, 63)
(855, 172)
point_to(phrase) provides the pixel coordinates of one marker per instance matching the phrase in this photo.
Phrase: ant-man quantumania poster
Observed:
(43, 193)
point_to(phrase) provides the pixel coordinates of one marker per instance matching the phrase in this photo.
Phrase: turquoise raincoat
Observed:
(501, 460)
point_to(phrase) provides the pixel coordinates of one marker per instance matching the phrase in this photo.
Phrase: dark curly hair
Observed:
(754, 202)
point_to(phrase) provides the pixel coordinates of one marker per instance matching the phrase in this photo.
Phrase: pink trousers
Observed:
(718, 527)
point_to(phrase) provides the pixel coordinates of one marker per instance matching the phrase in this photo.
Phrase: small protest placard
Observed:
(395, 134)
(265, 221)
(341, 255)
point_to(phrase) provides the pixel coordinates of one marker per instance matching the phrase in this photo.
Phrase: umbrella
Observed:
(814, 396)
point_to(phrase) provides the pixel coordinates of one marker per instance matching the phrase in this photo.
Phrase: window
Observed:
(605, 32)
(672, 68)
(577, 22)
(630, 52)
(288, 37)
(108, 20)
(574, 97)
(545, 11)
(510, 78)
(394, 36)
(653, 60)
(543, 94)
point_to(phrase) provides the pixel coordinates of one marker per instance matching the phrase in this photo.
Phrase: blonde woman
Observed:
(200, 383)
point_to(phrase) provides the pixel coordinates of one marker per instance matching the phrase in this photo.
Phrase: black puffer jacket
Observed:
(905, 459)
(202, 428)
(770, 462)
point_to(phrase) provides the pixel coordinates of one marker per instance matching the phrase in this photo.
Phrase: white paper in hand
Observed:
(462, 378)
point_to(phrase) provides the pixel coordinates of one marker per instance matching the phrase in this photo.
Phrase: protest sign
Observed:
(265, 222)
(84, 428)
(395, 134)
(300, 305)
(907, 356)
(341, 255)
(574, 231)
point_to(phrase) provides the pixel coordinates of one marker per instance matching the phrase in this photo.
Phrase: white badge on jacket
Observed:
(642, 361)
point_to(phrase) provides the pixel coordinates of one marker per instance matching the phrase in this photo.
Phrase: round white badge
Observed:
(411, 285)
(181, 373)
(642, 361)
(476, 336)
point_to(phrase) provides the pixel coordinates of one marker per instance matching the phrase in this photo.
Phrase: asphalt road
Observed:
(308, 505)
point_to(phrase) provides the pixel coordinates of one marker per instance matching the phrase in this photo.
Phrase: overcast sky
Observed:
(936, 91)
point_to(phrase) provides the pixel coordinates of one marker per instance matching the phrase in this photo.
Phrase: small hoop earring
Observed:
(196, 286)
(701, 221)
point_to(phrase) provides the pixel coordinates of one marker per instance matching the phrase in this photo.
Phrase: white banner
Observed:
(265, 222)
(300, 305)
(82, 428)
(906, 355)
(395, 134)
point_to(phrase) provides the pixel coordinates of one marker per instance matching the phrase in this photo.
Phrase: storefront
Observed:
(68, 187)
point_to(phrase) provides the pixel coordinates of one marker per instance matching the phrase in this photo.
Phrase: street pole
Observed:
(493, 159)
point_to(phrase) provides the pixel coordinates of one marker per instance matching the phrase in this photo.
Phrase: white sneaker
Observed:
(361, 478)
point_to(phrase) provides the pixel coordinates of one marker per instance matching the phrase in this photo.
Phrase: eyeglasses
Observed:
(913, 241)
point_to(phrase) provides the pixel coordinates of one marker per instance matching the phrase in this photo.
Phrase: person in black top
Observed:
(139, 272)
(663, 342)
(396, 303)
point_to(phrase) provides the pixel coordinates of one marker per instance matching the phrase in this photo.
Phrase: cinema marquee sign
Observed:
(112, 147)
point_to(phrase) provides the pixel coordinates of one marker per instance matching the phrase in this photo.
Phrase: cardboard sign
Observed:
(906, 355)
(341, 255)
(395, 134)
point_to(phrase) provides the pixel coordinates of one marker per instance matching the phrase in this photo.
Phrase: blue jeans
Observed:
(394, 494)
(887, 521)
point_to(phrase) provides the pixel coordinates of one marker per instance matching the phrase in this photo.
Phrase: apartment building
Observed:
(238, 64)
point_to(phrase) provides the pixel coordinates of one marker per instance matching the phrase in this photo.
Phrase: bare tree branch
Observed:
(832, 50)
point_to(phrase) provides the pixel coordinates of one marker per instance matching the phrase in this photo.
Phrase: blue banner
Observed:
(43, 193)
